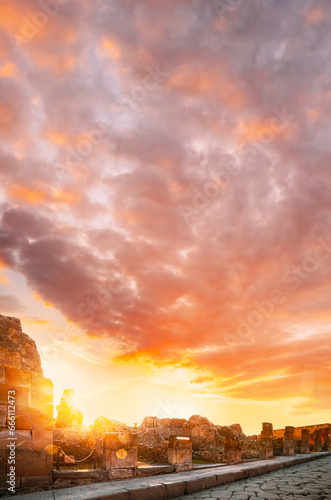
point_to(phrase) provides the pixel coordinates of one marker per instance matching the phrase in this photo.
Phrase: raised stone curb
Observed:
(102, 475)
(166, 487)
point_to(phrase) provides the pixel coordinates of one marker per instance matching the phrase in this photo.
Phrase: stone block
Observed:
(23, 439)
(22, 396)
(42, 392)
(4, 388)
(42, 439)
(16, 377)
(183, 467)
(120, 450)
(117, 440)
(274, 467)
(3, 415)
(318, 441)
(209, 482)
(124, 473)
(45, 495)
(288, 446)
(305, 444)
(175, 489)
(34, 481)
(3, 466)
(238, 475)
(95, 474)
(69, 459)
(152, 492)
(33, 418)
(2, 374)
(225, 478)
(194, 485)
(10, 358)
(267, 449)
(327, 439)
(180, 453)
(258, 470)
(31, 463)
(267, 429)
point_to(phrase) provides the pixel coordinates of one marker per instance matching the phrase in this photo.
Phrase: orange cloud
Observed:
(7, 118)
(313, 113)
(66, 197)
(219, 83)
(253, 130)
(315, 16)
(8, 70)
(26, 195)
(56, 137)
(40, 299)
(112, 48)
(37, 196)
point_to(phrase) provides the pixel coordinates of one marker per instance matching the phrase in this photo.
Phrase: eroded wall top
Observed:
(17, 349)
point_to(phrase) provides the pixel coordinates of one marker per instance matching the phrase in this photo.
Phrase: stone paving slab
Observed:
(308, 481)
(209, 483)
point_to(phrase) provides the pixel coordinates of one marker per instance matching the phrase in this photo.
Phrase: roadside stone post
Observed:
(232, 449)
(318, 440)
(120, 451)
(180, 453)
(267, 448)
(327, 438)
(305, 446)
(288, 447)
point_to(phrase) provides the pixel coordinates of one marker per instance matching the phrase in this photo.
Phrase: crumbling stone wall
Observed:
(21, 372)
(207, 438)
(279, 433)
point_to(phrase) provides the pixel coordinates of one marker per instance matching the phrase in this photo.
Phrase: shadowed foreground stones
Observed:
(21, 372)
(250, 480)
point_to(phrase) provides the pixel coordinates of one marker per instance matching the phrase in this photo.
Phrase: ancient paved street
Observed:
(311, 481)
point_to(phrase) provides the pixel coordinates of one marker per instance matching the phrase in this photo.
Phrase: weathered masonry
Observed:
(28, 396)
(180, 453)
(267, 449)
(120, 454)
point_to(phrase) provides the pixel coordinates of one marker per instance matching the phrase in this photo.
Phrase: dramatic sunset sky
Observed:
(165, 225)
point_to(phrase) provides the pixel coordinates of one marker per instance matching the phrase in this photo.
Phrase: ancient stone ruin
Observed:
(267, 448)
(180, 453)
(288, 449)
(232, 448)
(318, 441)
(26, 432)
(26, 410)
(305, 444)
(327, 438)
(120, 454)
